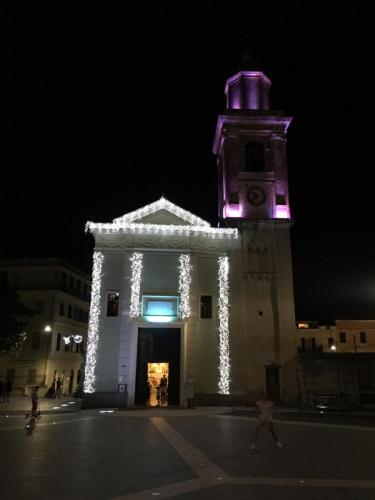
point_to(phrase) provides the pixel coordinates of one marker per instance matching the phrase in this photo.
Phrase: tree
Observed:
(14, 317)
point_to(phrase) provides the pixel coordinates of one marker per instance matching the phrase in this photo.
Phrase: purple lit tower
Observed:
(250, 145)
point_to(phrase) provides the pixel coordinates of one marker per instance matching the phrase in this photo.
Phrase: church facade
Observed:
(176, 299)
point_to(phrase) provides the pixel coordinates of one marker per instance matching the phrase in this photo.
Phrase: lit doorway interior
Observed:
(155, 373)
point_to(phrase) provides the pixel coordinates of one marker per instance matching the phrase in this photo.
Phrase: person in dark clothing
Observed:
(2, 389)
(58, 388)
(8, 388)
(148, 393)
(34, 402)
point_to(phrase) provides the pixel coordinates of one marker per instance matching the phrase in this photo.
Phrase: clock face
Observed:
(256, 196)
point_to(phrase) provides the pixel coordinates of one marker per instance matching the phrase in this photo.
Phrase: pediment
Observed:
(163, 212)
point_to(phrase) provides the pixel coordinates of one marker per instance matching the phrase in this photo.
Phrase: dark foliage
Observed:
(14, 318)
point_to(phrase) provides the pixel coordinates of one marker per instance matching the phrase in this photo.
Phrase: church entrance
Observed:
(158, 361)
(158, 376)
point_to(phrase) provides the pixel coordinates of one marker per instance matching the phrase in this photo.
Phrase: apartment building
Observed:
(59, 295)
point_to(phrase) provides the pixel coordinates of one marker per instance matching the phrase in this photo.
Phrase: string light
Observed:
(136, 266)
(162, 204)
(93, 327)
(184, 281)
(223, 306)
(161, 230)
(77, 339)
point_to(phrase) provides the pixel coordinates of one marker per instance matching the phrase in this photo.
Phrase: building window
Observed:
(85, 289)
(206, 306)
(35, 341)
(80, 315)
(342, 337)
(64, 280)
(39, 307)
(77, 347)
(113, 300)
(362, 337)
(254, 157)
(67, 347)
(330, 341)
(62, 309)
(69, 311)
(303, 343)
(58, 342)
(79, 285)
(71, 281)
(31, 377)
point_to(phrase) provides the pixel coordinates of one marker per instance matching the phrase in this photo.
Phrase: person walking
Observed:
(34, 402)
(266, 410)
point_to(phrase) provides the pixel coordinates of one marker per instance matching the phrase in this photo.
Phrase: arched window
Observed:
(254, 157)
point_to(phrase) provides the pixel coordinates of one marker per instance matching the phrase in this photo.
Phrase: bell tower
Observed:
(250, 144)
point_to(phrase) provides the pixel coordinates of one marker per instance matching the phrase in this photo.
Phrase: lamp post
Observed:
(47, 329)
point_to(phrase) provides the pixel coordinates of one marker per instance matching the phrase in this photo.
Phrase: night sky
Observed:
(108, 106)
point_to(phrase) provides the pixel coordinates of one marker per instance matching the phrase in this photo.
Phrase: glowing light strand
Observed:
(93, 327)
(184, 282)
(162, 204)
(223, 311)
(161, 230)
(136, 267)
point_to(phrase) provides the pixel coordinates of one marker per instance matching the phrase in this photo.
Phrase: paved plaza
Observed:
(174, 453)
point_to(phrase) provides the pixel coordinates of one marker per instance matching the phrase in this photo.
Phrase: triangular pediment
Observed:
(163, 212)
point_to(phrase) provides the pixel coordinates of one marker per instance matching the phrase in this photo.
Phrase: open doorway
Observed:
(159, 347)
(158, 376)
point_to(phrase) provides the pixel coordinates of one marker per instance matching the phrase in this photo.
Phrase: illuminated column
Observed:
(93, 327)
(223, 306)
(136, 265)
(184, 282)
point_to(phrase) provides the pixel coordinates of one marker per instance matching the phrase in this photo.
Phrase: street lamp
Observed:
(47, 329)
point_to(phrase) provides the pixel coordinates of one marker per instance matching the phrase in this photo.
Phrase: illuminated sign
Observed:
(159, 309)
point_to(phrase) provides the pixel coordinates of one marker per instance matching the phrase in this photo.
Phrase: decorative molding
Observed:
(161, 204)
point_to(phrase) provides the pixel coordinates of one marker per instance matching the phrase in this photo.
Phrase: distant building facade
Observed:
(174, 296)
(59, 295)
(337, 359)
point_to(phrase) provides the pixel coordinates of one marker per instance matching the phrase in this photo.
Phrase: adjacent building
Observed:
(59, 294)
(178, 299)
(337, 360)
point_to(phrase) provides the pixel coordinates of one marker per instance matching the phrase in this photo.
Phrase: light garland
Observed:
(223, 306)
(136, 266)
(161, 230)
(93, 327)
(184, 282)
(77, 339)
(162, 204)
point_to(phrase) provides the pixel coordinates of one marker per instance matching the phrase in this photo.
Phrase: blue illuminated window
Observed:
(159, 308)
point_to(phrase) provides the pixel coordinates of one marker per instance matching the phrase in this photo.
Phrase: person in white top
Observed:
(266, 410)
